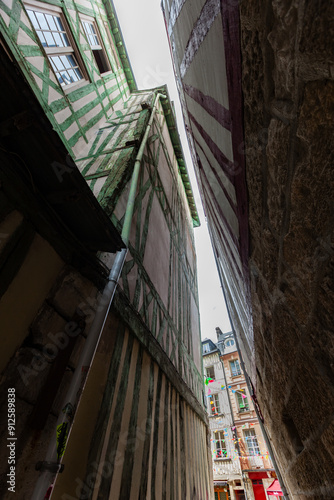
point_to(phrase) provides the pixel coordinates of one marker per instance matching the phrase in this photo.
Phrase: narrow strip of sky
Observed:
(146, 41)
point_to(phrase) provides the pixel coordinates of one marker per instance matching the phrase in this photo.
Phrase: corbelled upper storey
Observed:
(74, 58)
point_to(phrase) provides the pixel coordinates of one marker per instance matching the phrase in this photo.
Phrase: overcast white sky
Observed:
(146, 41)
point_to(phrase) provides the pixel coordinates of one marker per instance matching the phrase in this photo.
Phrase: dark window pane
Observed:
(60, 80)
(65, 40)
(66, 77)
(71, 60)
(58, 22)
(78, 72)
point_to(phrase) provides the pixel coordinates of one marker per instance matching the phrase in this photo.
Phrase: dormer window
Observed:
(206, 348)
(229, 343)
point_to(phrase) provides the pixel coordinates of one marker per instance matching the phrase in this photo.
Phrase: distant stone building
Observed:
(256, 84)
(240, 458)
(225, 458)
(80, 148)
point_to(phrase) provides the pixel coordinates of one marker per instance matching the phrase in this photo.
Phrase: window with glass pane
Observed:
(235, 368)
(251, 441)
(229, 343)
(220, 444)
(94, 40)
(214, 403)
(210, 372)
(206, 347)
(51, 31)
(242, 402)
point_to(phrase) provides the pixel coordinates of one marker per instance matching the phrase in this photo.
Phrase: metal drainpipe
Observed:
(270, 449)
(52, 464)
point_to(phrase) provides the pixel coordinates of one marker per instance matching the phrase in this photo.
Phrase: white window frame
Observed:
(239, 368)
(206, 348)
(44, 8)
(206, 371)
(222, 444)
(216, 404)
(239, 399)
(252, 442)
(100, 46)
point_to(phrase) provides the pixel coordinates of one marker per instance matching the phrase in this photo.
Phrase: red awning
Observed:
(275, 489)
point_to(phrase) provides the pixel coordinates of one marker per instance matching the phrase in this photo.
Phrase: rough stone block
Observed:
(47, 321)
(73, 291)
(277, 152)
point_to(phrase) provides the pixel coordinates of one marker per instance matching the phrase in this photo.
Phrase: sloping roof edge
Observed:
(120, 45)
(169, 112)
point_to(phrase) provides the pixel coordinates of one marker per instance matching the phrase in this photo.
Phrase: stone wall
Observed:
(287, 69)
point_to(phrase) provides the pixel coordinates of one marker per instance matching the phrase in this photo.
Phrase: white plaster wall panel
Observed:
(158, 243)
(165, 176)
(235, 288)
(220, 135)
(24, 39)
(99, 185)
(54, 94)
(73, 129)
(9, 3)
(73, 15)
(211, 53)
(62, 115)
(84, 3)
(37, 62)
(39, 81)
(105, 102)
(214, 163)
(229, 247)
(185, 23)
(76, 105)
(5, 17)
(220, 198)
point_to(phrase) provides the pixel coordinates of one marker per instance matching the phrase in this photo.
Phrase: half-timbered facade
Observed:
(256, 86)
(72, 127)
